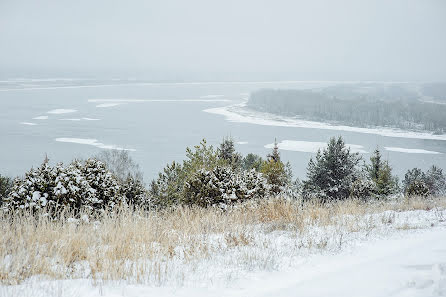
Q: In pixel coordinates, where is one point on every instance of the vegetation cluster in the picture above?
(213, 177)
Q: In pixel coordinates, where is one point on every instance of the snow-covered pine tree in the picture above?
(104, 184)
(35, 189)
(331, 174)
(71, 187)
(436, 181)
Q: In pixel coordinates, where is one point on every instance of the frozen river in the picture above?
(77, 118)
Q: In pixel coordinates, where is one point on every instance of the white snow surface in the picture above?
(310, 147)
(406, 258)
(410, 151)
(61, 111)
(240, 114)
(28, 123)
(93, 142)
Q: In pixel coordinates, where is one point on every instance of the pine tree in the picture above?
(332, 173)
(275, 154)
(380, 173)
(226, 152)
(6, 184)
(276, 173)
(435, 181)
(252, 161)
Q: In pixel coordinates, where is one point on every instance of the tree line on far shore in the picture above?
(362, 111)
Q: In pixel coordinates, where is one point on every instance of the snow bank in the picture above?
(240, 114)
(93, 142)
(410, 151)
(310, 147)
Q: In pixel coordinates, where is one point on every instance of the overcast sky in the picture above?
(228, 40)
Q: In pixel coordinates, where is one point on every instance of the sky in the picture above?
(397, 40)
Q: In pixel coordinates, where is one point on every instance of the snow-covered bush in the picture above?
(416, 180)
(222, 186)
(80, 184)
(363, 188)
(71, 188)
(35, 189)
(104, 184)
(418, 188)
(134, 192)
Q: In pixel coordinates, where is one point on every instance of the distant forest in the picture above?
(362, 106)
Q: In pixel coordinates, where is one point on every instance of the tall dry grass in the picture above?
(148, 247)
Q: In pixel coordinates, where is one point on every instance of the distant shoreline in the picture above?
(241, 114)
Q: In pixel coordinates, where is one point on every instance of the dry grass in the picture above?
(148, 247)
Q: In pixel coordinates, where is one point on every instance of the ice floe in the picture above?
(41, 118)
(61, 111)
(310, 147)
(211, 96)
(79, 119)
(122, 101)
(93, 142)
(410, 151)
(104, 105)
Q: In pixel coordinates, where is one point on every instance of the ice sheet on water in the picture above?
(93, 142)
(310, 147)
(61, 111)
(410, 151)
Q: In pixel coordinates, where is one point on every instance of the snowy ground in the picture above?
(403, 254)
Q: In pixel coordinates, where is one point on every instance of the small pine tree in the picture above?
(331, 174)
(6, 184)
(167, 189)
(412, 176)
(277, 174)
(275, 154)
(435, 181)
(226, 152)
(252, 161)
(380, 173)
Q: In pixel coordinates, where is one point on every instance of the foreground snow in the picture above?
(401, 254)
